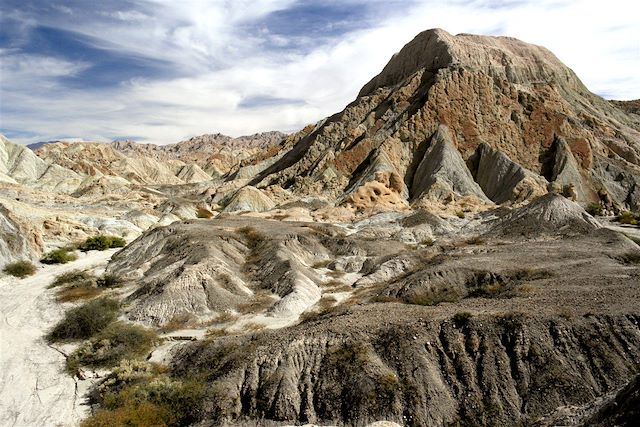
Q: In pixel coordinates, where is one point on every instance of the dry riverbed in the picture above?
(34, 389)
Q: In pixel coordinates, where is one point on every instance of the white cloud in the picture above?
(224, 64)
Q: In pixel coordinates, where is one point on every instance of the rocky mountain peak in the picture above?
(504, 58)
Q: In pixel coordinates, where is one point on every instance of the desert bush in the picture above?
(179, 321)
(72, 277)
(132, 415)
(58, 256)
(627, 218)
(76, 285)
(494, 289)
(594, 209)
(20, 269)
(85, 321)
(460, 214)
(361, 382)
(462, 318)
(116, 342)
(159, 402)
(102, 242)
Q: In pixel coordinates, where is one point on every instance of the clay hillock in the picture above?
(549, 214)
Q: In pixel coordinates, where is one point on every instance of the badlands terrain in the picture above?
(457, 247)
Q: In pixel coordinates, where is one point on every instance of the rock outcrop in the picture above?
(503, 180)
(517, 99)
(18, 241)
(249, 199)
(442, 173)
(551, 213)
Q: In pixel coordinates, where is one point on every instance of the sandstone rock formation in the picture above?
(515, 98)
(442, 173)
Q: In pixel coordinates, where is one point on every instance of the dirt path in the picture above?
(33, 389)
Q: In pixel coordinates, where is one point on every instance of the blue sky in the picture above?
(162, 71)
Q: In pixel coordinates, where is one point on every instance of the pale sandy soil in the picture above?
(34, 390)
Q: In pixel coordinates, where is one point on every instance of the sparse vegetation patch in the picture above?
(462, 319)
(628, 218)
(85, 321)
(58, 256)
(20, 269)
(118, 341)
(252, 236)
(102, 242)
(72, 277)
(594, 209)
(142, 394)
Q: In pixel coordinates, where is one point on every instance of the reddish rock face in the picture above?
(516, 97)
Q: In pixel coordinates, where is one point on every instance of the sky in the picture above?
(161, 71)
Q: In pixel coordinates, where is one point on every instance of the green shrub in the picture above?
(58, 256)
(20, 269)
(594, 209)
(627, 218)
(134, 414)
(102, 242)
(160, 401)
(460, 214)
(85, 321)
(73, 277)
(117, 342)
